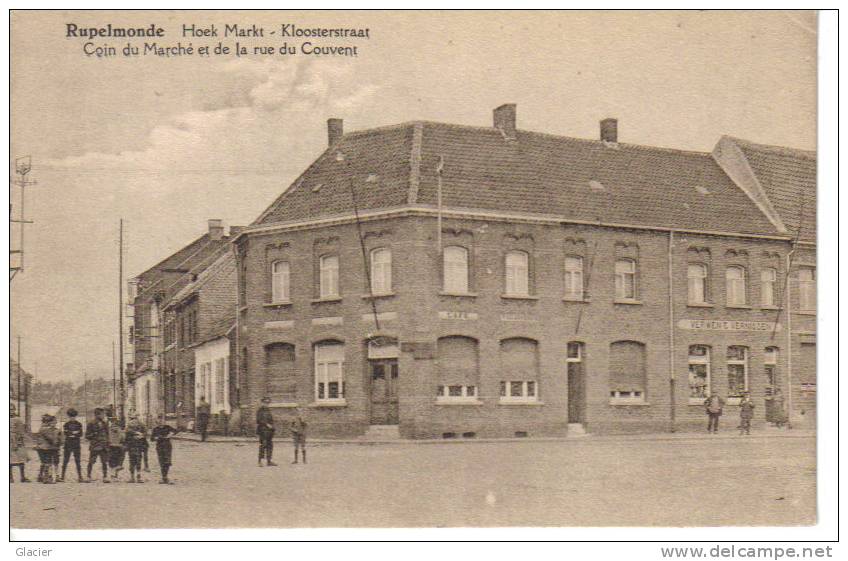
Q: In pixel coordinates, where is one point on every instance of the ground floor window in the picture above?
(458, 364)
(699, 373)
(519, 359)
(329, 372)
(627, 373)
(456, 391)
(518, 390)
(770, 370)
(737, 371)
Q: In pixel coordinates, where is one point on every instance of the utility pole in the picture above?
(20, 369)
(121, 316)
(114, 381)
(85, 394)
(22, 167)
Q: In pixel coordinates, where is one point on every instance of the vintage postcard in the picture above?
(426, 269)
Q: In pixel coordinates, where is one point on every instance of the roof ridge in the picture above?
(775, 148)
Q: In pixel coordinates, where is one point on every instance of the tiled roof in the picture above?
(788, 176)
(575, 179)
(224, 263)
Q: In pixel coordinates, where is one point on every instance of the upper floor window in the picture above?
(625, 279)
(280, 272)
(329, 280)
(736, 290)
(574, 278)
(768, 282)
(517, 273)
(697, 277)
(455, 269)
(807, 288)
(381, 271)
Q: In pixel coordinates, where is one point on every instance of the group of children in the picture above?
(109, 442)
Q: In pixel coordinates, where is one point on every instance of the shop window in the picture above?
(573, 278)
(807, 289)
(736, 286)
(697, 278)
(770, 370)
(627, 372)
(625, 279)
(699, 374)
(280, 282)
(381, 271)
(768, 284)
(517, 273)
(455, 270)
(737, 372)
(329, 372)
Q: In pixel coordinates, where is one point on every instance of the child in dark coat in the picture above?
(48, 443)
(161, 435)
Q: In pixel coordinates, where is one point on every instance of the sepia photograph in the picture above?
(378, 269)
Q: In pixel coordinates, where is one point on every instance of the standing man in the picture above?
(97, 434)
(73, 435)
(135, 438)
(746, 413)
(203, 412)
(18, 455)
(161, 435)
(265, 430)
(49, 441)
(298, 430)
(713, 404)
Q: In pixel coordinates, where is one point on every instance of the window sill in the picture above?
(519, 297)
(697, 401)
(771, 308)
(326, 299)
(733, 401)
(458, 401)
(283, 405)
(700, 304)
(577, 300)
(805, 312)
(458, 294)
(329, 403)
(277, 304)
(520, 402)
(629, 402)
(628, 302)
(379, 295)
(739, 306)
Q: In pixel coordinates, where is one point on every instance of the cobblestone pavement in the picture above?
(583, 482)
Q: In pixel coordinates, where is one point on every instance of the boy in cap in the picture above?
(265, 430)
(746, 413)
(135, 438)
(18, 455)
(72, 432)
(97, 434)
(298, 430)
(48, 442)
(161, 435)
(116, 447)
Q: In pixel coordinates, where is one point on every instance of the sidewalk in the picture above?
(767, 433)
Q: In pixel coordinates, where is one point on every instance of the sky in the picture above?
(167, 143)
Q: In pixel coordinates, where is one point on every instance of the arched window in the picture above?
(807, 289)
(699, 374)
(737, 371)
(458, 363)
(329, 371)
(768, 282)
(573, 278)
(627, 373)
(455, 269)
(736, 286)
(280, 373)
(381, 271)
(329, 280)
(625, 279)
(280, 271)
(517, 273)
(519, 370)
(697, 276)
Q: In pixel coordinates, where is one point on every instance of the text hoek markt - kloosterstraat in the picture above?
(285, 30)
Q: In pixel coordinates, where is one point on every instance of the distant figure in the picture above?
(135, 438)
(779, 413)
(116, 447)
(72, 432)
(48, 443)
(298, 430)
(713, 404)
(97, 434)
(265, 430)
(203, 412)
(18, 455)
(161, 435)
(746, 413)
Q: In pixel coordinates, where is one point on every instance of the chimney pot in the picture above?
(609, 130)
(335, 130)
(504, 119)
(216, 228)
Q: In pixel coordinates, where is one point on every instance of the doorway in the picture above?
(576, 383)
(384, 391)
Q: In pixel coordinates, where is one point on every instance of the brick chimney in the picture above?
(609, 130)
(335, 130)
(216, 228)
(504, 119)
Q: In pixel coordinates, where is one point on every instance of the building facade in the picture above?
(461, 282)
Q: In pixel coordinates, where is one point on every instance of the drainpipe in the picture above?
(671, 375)
(789, 337)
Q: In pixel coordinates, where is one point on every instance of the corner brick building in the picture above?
(455, 281)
